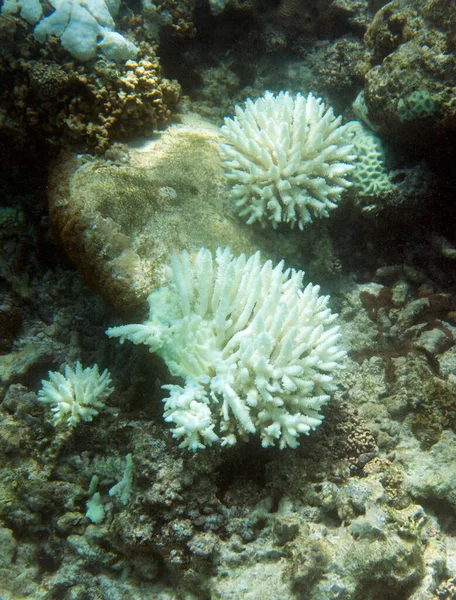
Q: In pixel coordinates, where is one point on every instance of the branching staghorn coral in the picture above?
(256, 351)
(78, 395)
(286, 159)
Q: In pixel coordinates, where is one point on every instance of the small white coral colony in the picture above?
(78, 395)
(287, 159)
(256, 351)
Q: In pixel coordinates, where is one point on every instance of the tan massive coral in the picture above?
(121, 216)
(90, 104)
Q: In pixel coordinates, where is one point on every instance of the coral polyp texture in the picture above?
(370, 177)
(78, 395)
(287, 159)
(256, 351)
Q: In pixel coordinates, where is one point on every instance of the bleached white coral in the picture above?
(78, 395)
(287, 159)
(256, 351)
(361, 111)
(83, 26)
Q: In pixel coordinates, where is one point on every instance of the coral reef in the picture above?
(90, 105)
(365, 507)
(178, 15)
(83, 27)
(120, 217)
(355, 501)
(297, 23)
(256, 351)
(78, 395)
(410, 88)
(369, 177)
(338, 67)
(286, 159)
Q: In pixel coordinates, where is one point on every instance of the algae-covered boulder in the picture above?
(121, 216)
(410, 88)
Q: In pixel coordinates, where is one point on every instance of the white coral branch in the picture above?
(256, 351)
